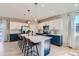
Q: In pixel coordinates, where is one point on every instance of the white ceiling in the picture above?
(17, 10)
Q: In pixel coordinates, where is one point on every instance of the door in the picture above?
(76, 31)
(3, 30)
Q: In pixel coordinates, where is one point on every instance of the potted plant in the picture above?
(28, 32)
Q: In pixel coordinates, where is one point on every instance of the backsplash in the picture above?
(15, 31)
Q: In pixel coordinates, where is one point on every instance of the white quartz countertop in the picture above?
(37, 38)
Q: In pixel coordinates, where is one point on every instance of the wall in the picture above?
(16, 26)
(61, 24)
(34, 26)
(57, 24)
(66, 30)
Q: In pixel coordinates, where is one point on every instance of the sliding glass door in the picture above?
(73, 30)
(3, 30)
(76, 31)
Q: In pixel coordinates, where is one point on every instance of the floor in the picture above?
(12, 49)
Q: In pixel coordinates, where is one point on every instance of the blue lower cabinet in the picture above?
(46, 47)
(13, 37)
(57, 40)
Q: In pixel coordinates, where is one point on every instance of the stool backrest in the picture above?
(24, 39)
(20, 37)
(29, 42)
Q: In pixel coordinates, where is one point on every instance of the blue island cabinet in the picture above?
(47, 47)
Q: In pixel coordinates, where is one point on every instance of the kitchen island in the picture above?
(56, 39)
(44, 43)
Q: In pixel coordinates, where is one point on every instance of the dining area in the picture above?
(35, 45)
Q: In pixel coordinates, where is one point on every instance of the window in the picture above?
(76, 23)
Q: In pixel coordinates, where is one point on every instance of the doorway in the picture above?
(76, 31)
(3, 28)
(1, 31)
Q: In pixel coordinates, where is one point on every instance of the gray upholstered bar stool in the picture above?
(30, 49)
(20, 41)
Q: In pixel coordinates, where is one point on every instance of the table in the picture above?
(44, 43)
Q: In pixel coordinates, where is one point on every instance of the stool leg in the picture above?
(22, 47)
(37, 50)
(31, 51)
(25, 51)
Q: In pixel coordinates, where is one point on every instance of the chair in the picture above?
(31, 49)
(25, 46)
(20, 41)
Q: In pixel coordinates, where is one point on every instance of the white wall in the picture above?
(57, 24)
(16, 26)
(65, 30)
(61, 24)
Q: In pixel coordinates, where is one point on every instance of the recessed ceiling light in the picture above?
(29, 22)
(35, 3)
(28, 10)
(76, 5)
(42, 5)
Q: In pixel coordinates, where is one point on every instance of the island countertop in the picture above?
(36, 38)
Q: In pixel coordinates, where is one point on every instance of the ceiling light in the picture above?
(35, 19)
(24, 14)
(76, 5)
(29, 22)
(35, 3)
(28, 10)
(42, 5)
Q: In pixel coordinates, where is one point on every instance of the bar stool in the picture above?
(24, 43)
(31, 49)
(25, 46)
(20, 41)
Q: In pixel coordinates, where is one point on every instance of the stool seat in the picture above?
(34, 43)
(32, 48)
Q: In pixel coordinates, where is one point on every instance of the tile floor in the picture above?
(12, 49)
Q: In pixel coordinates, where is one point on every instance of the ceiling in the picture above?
(38, 11)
